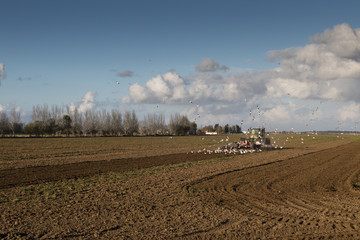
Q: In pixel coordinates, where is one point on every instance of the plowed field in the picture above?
(39, 174)
(309, 196)
(309, 191)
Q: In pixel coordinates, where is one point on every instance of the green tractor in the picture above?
(255, 139)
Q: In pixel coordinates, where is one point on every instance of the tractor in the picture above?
(255, 139)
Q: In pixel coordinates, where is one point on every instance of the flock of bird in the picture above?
(197, 110)
(278, 142)
(226, 151)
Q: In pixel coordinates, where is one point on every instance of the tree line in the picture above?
(57, 121)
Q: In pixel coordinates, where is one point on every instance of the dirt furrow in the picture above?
(37, 174)
(312, 192)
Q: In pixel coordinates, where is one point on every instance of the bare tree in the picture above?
(148, 126)
(14, 123)
(104, 122)
(127, 123)
(42, 118)
(35, 113)
(116, 122)
(4, 123)
(56, 114)
(160, 124)
(131, 124)
(142, 128)
(77, 121)
(154, 124)
(90, 125)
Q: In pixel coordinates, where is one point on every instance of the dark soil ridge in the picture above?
(37, 174)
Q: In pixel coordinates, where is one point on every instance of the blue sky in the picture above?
(225, 57)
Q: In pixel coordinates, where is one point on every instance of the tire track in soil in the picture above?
(37, 174)
(308, 196)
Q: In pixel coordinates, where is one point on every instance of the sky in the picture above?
(284, 65)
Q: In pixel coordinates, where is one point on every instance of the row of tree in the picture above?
(56, 121)
(222, 129)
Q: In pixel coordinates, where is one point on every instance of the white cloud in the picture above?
(137, 93)
(292, 116)
(342, 41)
(126, 99)
(158, 86)
(169, 88)
(2, 107)
(280, 113)
(280, 87)
(349, 112)
(87, 103)
(202, 88)
(328, 68)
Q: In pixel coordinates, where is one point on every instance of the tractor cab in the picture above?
(255, 138)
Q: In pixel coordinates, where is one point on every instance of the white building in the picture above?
(211, 133)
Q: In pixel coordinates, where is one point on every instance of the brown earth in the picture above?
(39, 174)
(303, 193)
(30, 152)
(311, 196)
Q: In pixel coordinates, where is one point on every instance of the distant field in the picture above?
(22, 152)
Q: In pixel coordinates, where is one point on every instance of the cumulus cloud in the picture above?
(342, 41)
(87, 103)
(202, 88)
(349, 112)
(292, 116)
(209, 88)
(280, 113)
(209, 65)
(169, 88)
(126, 73)
(328, 68)
(280, 87)
(137, 92)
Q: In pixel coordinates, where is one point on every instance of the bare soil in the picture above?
(299, 193)
(38, 174)
(310, 196)
(26, 152)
